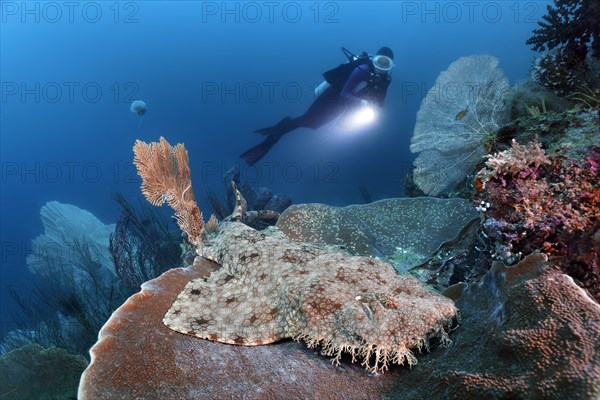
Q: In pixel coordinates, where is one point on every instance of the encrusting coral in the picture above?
(404, 231)
(269, 288)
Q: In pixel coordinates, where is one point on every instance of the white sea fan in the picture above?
(464, 107)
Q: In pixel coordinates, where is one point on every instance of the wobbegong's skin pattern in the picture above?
(269, 288)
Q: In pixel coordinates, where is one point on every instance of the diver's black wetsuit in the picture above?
(329, 105)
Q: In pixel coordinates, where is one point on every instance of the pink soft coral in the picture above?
(521, 160)
(547, 204)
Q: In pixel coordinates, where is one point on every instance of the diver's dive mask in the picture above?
(383, 64)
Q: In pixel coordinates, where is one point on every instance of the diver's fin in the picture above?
(253, 155)
(264, 131)
(276, 129)
(273, 133)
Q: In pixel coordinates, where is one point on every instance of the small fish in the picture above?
(461, 114)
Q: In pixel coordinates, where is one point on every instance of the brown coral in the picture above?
(270, 288)
(545, 338)
(166, 178)
(527, 332)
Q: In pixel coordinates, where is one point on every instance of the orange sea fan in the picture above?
(166, 178)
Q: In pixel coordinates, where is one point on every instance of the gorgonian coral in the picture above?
(459, 115)
(166, 178)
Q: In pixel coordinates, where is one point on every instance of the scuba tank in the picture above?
(321, 88)
(339, 75)
(377, 85)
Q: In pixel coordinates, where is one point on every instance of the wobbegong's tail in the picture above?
(273, 134)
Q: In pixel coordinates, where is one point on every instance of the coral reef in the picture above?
(32, 372)
(404, 231)
(457, 118)
(544, 203)
(526, 331)
(269, 289)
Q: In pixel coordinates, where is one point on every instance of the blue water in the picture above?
(206, 69)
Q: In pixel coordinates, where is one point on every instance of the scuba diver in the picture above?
(362, 81)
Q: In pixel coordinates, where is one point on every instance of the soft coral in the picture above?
(547, 204)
